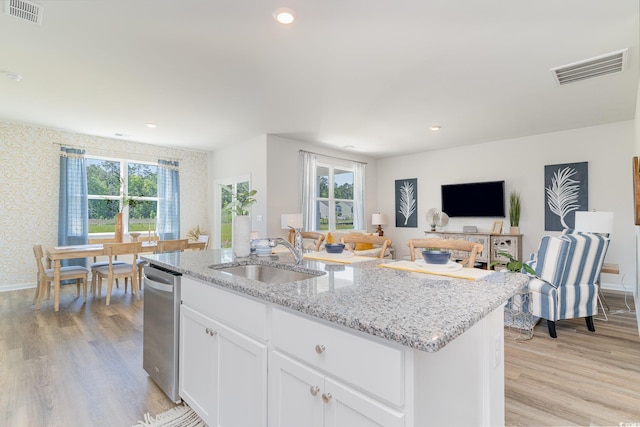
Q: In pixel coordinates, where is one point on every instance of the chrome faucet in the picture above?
(296, 252)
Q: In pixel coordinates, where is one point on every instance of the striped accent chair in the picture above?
(567, 273)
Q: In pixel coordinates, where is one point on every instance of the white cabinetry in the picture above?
(338, 379)
(223, 372)
(302, 396)
(247, 363)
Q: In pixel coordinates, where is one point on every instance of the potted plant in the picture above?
(240, 204)
(514, 265)
(514, 212)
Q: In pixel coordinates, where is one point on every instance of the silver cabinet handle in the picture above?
(320, 348)
(326, 397)
(211, 332)
(314, 389)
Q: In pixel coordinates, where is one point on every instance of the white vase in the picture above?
(241, 236)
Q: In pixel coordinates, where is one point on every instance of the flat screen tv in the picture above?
(475, 199)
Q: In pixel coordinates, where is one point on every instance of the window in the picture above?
(334, 200)
(120, 185)
(224, 224)
(332, 193)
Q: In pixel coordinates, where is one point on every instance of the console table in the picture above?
(492, 244)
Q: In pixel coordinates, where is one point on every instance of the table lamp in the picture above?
(379, 220)
(594, 222)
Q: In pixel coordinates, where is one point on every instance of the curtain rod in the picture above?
(112, 152)
(332, 157)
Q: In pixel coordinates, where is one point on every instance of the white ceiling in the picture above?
(375, 74)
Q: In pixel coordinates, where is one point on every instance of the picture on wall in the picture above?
(407, 202)
(566, 191)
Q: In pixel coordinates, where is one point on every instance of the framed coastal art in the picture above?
(566, 188)
(407, 202)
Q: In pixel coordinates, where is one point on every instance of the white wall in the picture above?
(520, 162)
(29, 179)
(239, 159)
(284, 179)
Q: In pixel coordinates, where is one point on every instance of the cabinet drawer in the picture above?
(241, 313)
(368, 365)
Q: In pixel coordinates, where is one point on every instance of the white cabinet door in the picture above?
(302, 396)
(223, 374)
(197, 366)
(242, 380)
(344, 407)
(295, 394)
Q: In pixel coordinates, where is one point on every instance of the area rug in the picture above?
(180, 416)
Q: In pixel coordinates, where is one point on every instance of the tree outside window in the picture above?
(121, 186)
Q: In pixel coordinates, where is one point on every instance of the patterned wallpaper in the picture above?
(29, 178)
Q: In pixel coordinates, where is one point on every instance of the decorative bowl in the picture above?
(334, 248)
(436, 257)
(263, 250)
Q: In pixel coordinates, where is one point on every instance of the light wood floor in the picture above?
(579, 379)
(83, 367)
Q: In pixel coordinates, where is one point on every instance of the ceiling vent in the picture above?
(23, 9)
(590, 68)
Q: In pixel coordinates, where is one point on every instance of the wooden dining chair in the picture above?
(311, 240)
(376, 245)
(472, 248)
(45, 276)
(114, 271)
(140, 262)
(178, 245)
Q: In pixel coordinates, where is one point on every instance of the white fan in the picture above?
(435, 217)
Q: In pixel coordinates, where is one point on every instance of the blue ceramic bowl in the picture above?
(436, 257)
(334, 248)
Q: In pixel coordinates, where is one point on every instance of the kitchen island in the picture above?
(356, 345)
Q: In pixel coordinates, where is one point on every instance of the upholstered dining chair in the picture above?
(462, 248)
(366, 245)
(114, 271)
(566, 282)
(97, 264)
(45, 276)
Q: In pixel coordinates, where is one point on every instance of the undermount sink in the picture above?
(266, 273)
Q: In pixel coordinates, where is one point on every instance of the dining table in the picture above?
(56, 254)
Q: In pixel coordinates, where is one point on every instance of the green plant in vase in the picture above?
(514, 212)
(514, 265)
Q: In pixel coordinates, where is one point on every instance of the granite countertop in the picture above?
(417, 310)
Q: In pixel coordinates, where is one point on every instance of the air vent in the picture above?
(24, 9)
(590, 68)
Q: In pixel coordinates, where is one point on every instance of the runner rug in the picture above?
(180, 416)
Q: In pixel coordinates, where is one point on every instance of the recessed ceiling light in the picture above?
(13, 76)
(435, 128)
(349, 147)
(284, 15)
(151, 125)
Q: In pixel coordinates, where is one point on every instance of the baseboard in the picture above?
(619, 287)
(8, 288)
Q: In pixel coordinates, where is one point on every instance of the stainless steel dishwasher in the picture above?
(161, 328)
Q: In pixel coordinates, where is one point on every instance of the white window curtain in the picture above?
(309, 186)
(358, 197)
